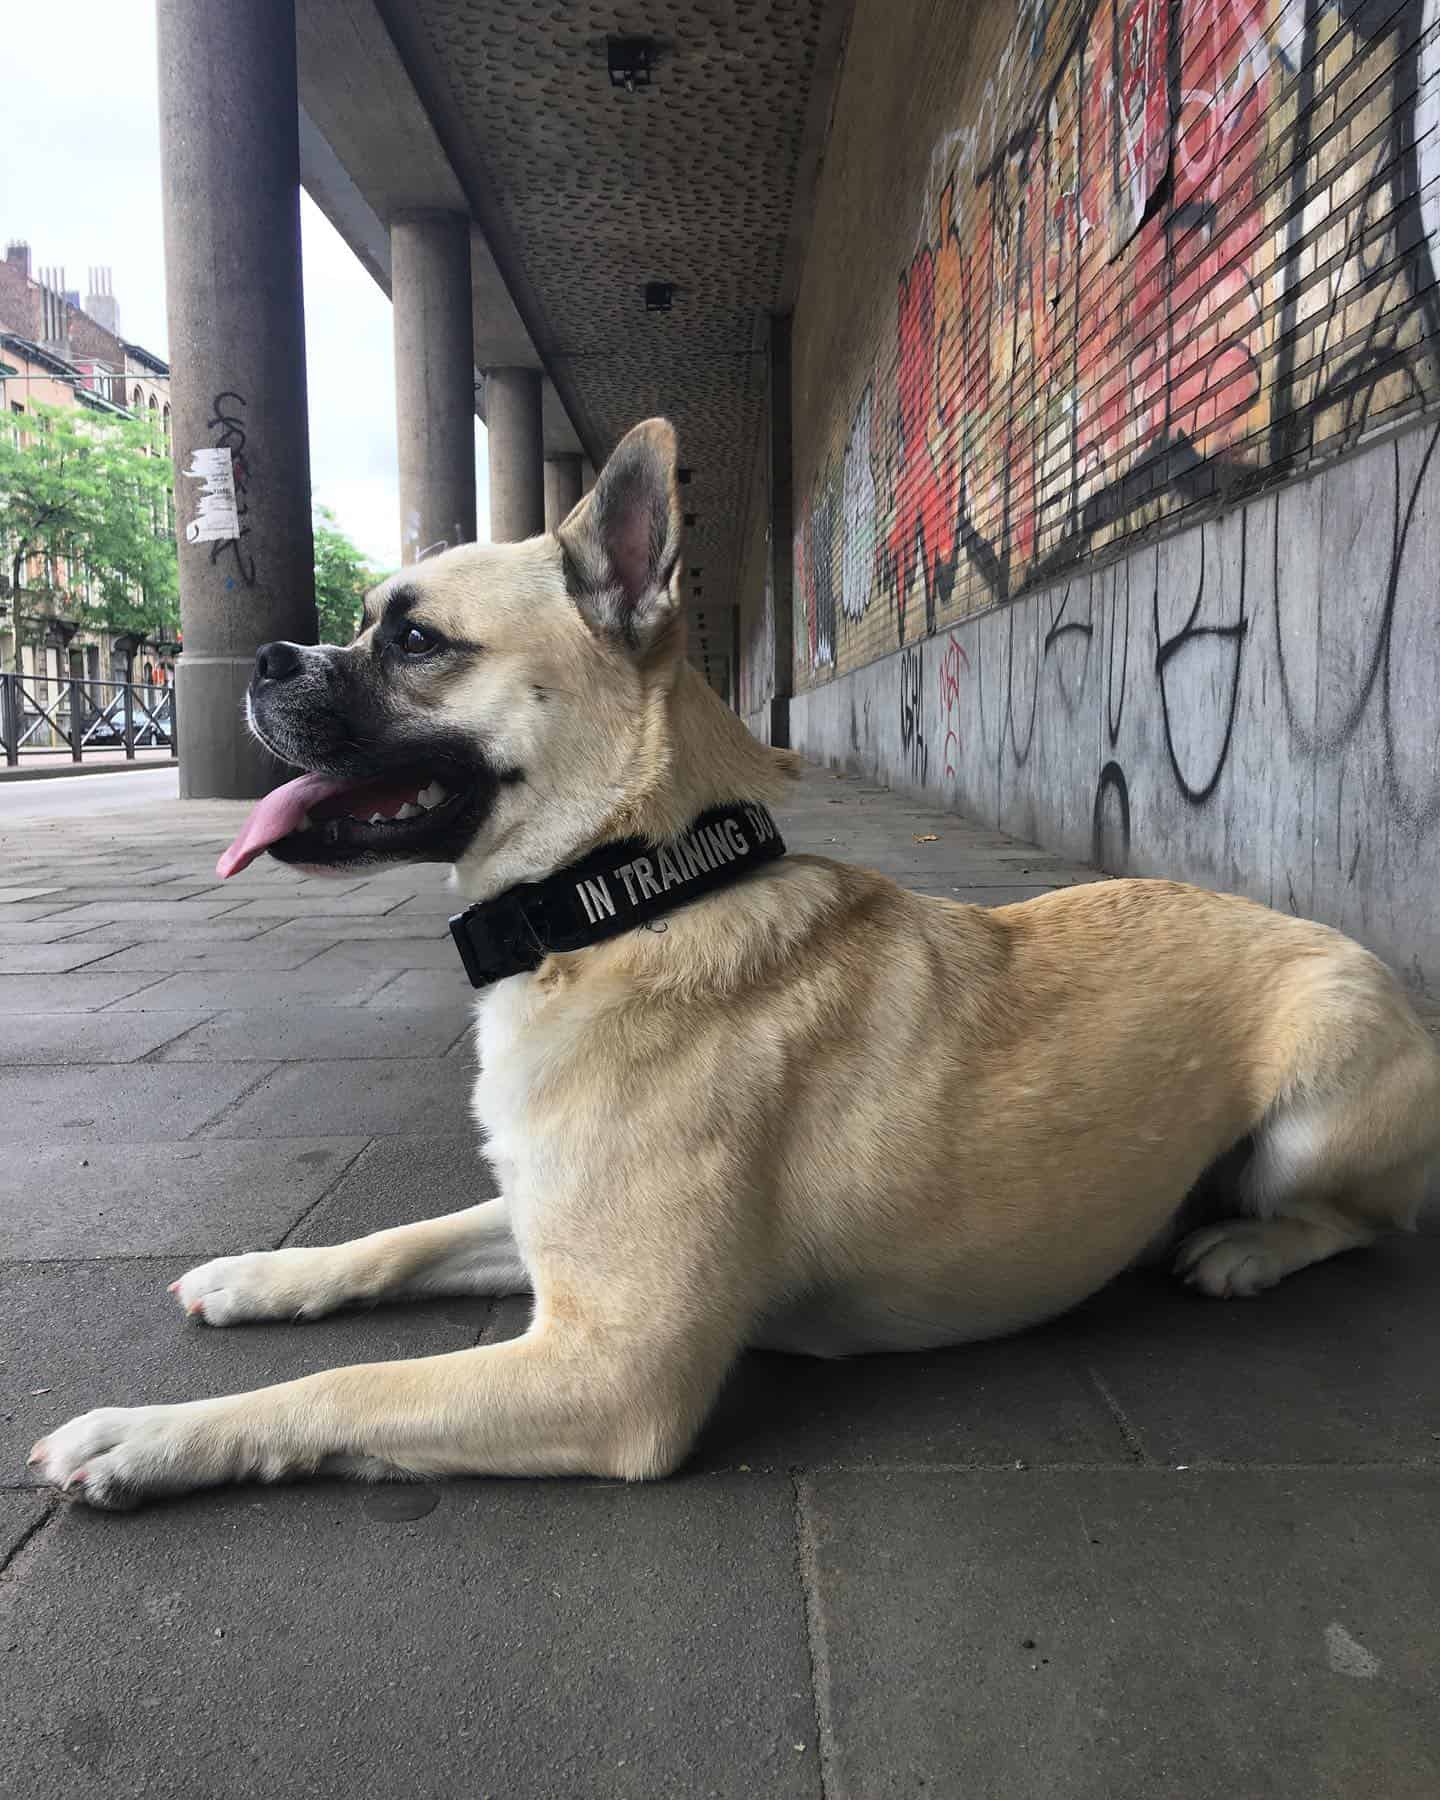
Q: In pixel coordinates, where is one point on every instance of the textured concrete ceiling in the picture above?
(586, 192)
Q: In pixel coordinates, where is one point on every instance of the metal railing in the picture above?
(40, 716)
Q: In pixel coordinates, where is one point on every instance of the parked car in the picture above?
(107, 729)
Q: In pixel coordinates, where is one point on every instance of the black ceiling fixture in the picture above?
(659, 296)
(683, 476)
(631, 61)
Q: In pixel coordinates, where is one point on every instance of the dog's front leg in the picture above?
(571, 1397)
(469, 1252)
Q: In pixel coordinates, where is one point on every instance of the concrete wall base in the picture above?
(1249, 704)
(218, 764)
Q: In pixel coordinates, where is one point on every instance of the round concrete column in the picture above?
(230, 166)
(434, 379)
(562, 488)
(517, 454)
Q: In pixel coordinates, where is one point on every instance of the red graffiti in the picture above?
(922, 534)
(952, 665)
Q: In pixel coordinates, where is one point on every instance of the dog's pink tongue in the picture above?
(275, 817)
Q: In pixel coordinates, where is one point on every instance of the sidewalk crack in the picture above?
(328, 1190)
(47, 1513)
(1130, 1435)
(817, 1650)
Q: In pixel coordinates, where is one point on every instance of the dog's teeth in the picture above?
(431, 796)
(407, 811)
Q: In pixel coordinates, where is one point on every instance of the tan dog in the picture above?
(816, 1112)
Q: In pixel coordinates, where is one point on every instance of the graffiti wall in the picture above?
(1249, 703)
(1165, 253)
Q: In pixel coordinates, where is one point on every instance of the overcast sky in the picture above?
(80, 179)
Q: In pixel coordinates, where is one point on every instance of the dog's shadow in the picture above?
(1333, 1365)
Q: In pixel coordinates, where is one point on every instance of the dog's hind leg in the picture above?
(1345, 1152)
(469, 1252)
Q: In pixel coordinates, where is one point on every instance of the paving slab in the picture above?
(349, 906)
(106, 1333)
(34, 931)
(1044, 1635)
(412, 1097)
(330, 929)
(194, 1199)
(257, 989)
(1337, 1364)
(396, 952)
(56, 958)
(98, 1037)
(151, 912)
(134, 1104)
(427, 987)
(520, 1640)
(170, 931)
(78, 893)
(979, 1405)
(247, 954)
(398, 1181)
(84, 991)
(303, 1034)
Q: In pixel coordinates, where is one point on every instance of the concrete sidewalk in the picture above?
(1165, 1547)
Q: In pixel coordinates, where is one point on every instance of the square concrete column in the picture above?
(434, 379)
(230, 167)
(562, 488)
(517, 454)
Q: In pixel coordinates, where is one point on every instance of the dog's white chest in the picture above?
(527, 1037)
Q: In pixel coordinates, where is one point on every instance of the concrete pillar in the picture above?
(562, 488)
(230, 167)
(517, 454)
(434, 379)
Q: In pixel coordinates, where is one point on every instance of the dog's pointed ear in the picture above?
(622, 542)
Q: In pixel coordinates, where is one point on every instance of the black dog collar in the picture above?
(613, 889)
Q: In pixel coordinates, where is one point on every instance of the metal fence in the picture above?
(40, 717)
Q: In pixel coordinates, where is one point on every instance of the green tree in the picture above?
(88, 494)
(342, 579)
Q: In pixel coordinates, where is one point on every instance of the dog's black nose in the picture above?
(277, 662)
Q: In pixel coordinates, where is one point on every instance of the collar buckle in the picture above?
(492, 935)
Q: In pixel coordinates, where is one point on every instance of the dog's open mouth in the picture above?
(324, 819)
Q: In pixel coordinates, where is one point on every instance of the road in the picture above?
(86, 796)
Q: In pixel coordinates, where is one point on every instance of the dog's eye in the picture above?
(415, 642)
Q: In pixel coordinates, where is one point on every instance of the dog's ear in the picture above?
(622, 542)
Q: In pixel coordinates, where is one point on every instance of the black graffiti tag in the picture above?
(912, 714)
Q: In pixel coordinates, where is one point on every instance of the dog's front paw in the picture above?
(118, 1456)
(265, 1284)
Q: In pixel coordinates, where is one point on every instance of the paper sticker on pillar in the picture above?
(217, 515)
